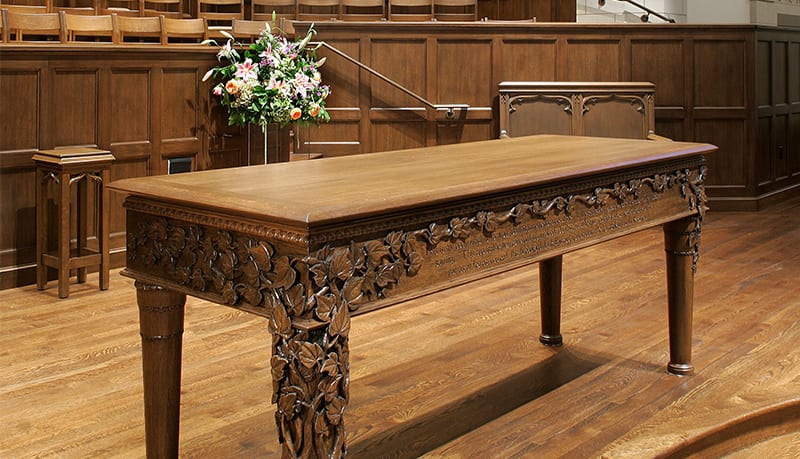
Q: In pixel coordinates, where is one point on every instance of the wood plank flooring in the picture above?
(458, 374)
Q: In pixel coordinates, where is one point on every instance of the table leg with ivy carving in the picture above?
(311, 377)
(550, 300)
(681, 242)
(161, 326)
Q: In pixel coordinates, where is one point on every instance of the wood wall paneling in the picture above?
(655, 61)
(19, 112)
(463, 75)
(725, 170)
(592, 60)
(778, 86)
(131, 107)
(20, 128)
(349, 99)
(180, 95)
(397, 119)
(720, 73)
(764, 166)
(74, 107)
(120, 99)
(527, 60)
(464, 72)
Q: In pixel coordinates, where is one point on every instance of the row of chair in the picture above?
(70, 28)
(222, 12)
(169, 8)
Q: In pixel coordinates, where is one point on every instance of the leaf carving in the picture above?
(229, 295)
(389, 274)
(278, 365)
(340, 324)
(295, 299)
(335, 410)
(251, 295)
(376, 250)
(279, 323)
(414, 264)
(394, 241)
(324, 307)
(310, 354)
(319, 273)
(351, 293)
(437, 233)
(282, 275)
(340, 264)
(262, 255)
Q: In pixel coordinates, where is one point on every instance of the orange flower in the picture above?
(295, 114)
(232, 87)
(314, 110)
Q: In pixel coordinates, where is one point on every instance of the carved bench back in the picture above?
(604, 109)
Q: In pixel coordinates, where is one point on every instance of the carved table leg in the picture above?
(550, 300)
(161, 327)
(681, 242)
(311, 378)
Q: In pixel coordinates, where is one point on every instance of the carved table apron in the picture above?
(308, 244)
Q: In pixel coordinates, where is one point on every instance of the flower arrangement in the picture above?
(274, 80)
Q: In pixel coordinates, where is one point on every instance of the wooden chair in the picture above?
(30, 9)
(137, 30)
(219, 14)
(455, 10)
(37, 27)
(183, 30)
(168, 8)
(317, 10)
(3, 26)
(363, 10)
(247, 31)
(122, 7)
(410, 10)
(85, 7)
(261, 10)
(80, 27)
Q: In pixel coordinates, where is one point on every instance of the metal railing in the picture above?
(645, 17)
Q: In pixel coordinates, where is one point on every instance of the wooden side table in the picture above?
(65, 167)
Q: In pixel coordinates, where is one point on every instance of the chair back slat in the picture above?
(78, 27)
(183, 30)
(36, 26)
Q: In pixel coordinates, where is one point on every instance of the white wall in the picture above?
(766, 12)
(763, 12)
(718, 11)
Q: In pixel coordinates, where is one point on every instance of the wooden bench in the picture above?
(309, 244)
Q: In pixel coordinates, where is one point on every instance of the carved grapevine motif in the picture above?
(308, 299)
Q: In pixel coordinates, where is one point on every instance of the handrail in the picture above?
(449, 107)
(649, 12)
(645, 18)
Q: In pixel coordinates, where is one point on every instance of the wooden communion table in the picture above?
(309, 244)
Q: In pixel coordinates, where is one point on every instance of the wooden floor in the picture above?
(458, 374)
